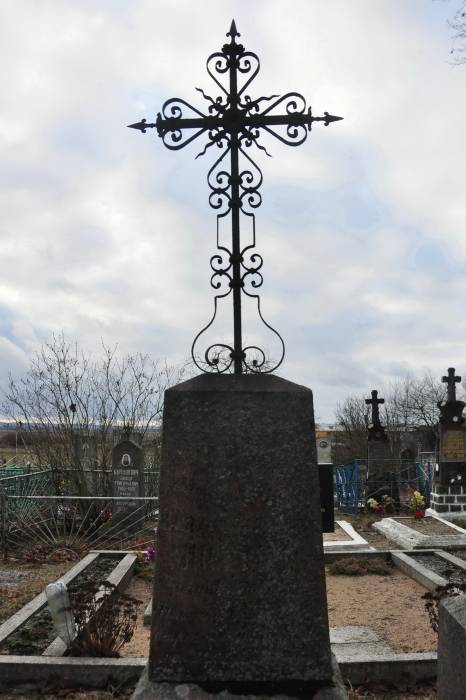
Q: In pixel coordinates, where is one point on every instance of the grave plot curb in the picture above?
(69, 672)
(410, 539)
(330, 557)
(391, 668)
(355, 544)
(420, 573)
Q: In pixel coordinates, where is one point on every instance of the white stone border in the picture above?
(355, 544)
(409, 538)
(444, 518)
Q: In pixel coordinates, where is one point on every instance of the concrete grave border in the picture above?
(96, 673)
(120, 577)
(408, 538)
(406, 561)
(355, 544)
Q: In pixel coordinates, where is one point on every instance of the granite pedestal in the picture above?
(239, 592)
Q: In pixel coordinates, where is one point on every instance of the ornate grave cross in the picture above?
(374, 402)
(451, 381)
(234, 123)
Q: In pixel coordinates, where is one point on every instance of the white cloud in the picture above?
(105, 233)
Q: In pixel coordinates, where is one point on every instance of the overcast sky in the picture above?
(106, 234)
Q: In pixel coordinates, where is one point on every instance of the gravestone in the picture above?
(448, 497)
(326, 483)
(381, 470)
(239, 590)
(86, 459)
(127, 482)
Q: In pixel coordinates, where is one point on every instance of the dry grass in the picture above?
(360, 567)
(17, 594)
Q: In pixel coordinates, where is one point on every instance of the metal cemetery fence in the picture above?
(36, 525)
(348, 486)
(43, 510)
(350, 483)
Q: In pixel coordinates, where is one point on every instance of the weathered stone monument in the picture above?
(239, 601)
(127, 477)
(239, 589)
(448, 497)
(381, 469)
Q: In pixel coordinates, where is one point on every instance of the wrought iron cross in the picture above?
(451, 381)
(374, 402)
(234, 123)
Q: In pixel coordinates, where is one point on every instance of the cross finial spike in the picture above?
(233, 31)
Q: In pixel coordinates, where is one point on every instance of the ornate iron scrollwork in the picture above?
(235, 122)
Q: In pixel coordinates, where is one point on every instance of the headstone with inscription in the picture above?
(127, 481)
(448, 497)
(381, 467)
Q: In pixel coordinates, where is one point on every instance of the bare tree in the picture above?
(67, 393)
(458, 24)
(410, 404)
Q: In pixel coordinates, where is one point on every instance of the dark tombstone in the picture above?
(128, 483)
(448, 497)
(327, 497)
(326, 483)
(381, 476)
(239, 590)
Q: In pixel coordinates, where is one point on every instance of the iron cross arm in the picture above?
(232, 121)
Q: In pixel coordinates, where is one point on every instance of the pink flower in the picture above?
(149, 555)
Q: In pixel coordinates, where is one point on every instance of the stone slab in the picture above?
(351, 634)
(388, 668)
(152, 690)
(239, 574)
(66, 672)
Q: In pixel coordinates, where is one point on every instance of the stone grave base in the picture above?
(408, 538)
(154, 690)
(448, 502)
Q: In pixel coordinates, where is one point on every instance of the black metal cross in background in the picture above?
(451, 381)
(235, 122)
(374, 402)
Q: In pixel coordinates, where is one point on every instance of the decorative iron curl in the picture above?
(219, 357)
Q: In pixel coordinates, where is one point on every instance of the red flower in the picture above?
(418, 514)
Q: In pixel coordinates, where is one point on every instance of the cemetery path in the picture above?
(391, 605)
(139, 645)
